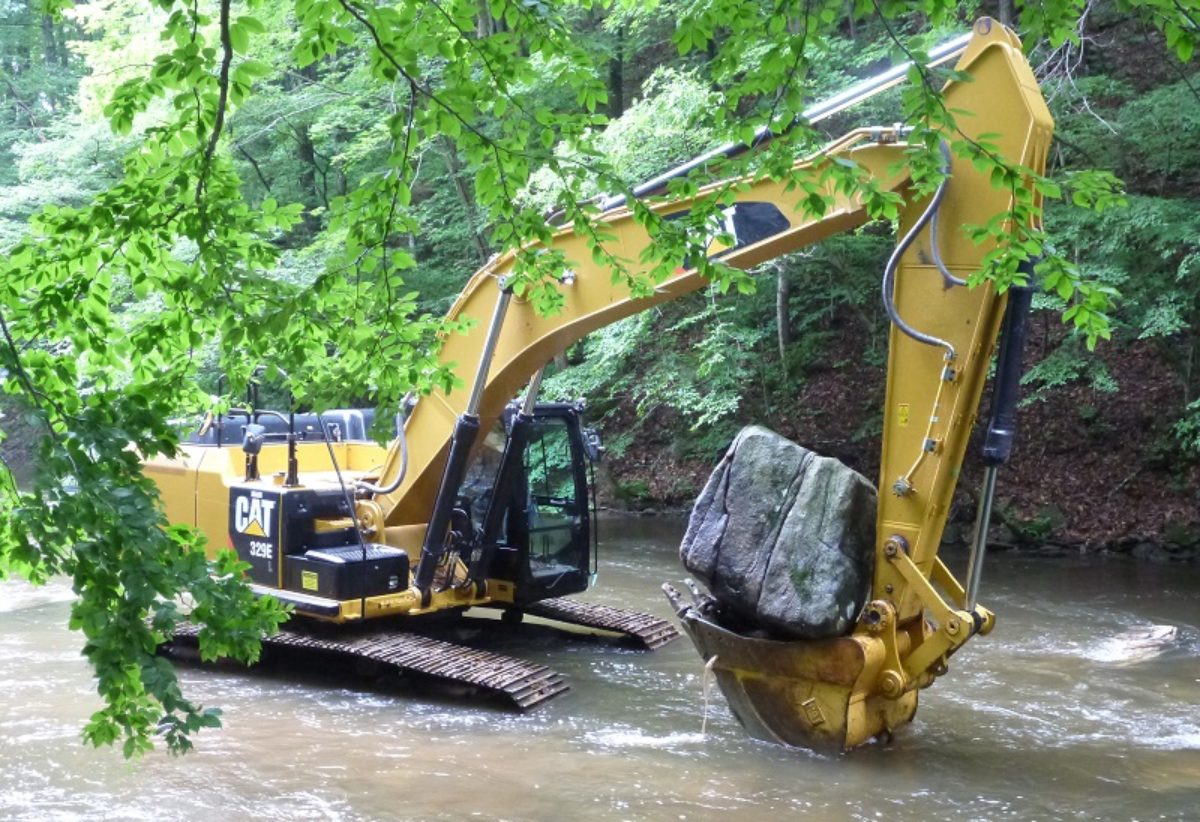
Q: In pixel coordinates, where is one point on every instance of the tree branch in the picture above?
(222, 99)
(21, 104)
(27, 381)
(254, 164)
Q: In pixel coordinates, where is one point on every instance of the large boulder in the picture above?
(783, 538)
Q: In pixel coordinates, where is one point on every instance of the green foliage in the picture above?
(1187, 430)
(837, 282)
(1066, 365)
(1150, 251)
(173, 227)
(662, 129)
(634, 492)
(692, 359)
(1176, 20)
(1036, 530)
(703, 382)
(38, 76)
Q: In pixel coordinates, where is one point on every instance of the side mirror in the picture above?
(253, 437)
(592, 445)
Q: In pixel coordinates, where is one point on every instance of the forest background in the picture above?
(1109, 456)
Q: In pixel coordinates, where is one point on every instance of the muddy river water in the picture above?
(1065, 712)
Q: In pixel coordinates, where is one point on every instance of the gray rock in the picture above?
(783, 538)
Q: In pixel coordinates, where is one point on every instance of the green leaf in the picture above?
(239, 38)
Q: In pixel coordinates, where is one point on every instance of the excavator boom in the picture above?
(528, 339)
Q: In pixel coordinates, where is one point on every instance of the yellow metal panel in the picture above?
(176, 480)
(1005, 105)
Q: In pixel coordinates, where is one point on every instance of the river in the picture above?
(1055, 715)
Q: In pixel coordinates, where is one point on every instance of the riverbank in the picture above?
(1001, 538)
(1096, 470)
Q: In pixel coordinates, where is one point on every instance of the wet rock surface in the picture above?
(783, 538)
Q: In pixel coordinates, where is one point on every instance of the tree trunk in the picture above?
(1005, 12)
(483, 20)
(308, 159)
(64, 54)
(485, 24)
(307, 155)
(468, 201)
(49, 43)
(616, 76)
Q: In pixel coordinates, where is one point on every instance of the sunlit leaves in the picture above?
(1095, 190)
(1178, 20)
(1187, 429)
(172, 231)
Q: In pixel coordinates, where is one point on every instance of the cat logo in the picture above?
(252, 515)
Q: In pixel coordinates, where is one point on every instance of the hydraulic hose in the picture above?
(362, 545)
(935, 248)
(904, 485)
(363, 485)
(889, 272)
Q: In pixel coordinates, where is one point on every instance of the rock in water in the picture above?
(783, 538)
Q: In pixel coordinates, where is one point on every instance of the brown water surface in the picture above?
(1060, 714)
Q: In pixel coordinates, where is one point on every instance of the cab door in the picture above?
(556, 515)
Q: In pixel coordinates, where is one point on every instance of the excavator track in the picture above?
(643, 629)
(524, 684)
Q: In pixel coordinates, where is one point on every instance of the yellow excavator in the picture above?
(482, 501)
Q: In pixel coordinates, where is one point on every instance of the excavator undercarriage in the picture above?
(399, 649)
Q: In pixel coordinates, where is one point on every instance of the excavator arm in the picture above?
(841, 691)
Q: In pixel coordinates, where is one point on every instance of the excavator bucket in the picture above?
(817, 694)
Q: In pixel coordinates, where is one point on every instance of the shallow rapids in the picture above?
(1084, 703)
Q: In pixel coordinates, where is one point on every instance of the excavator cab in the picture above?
(532, 500)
